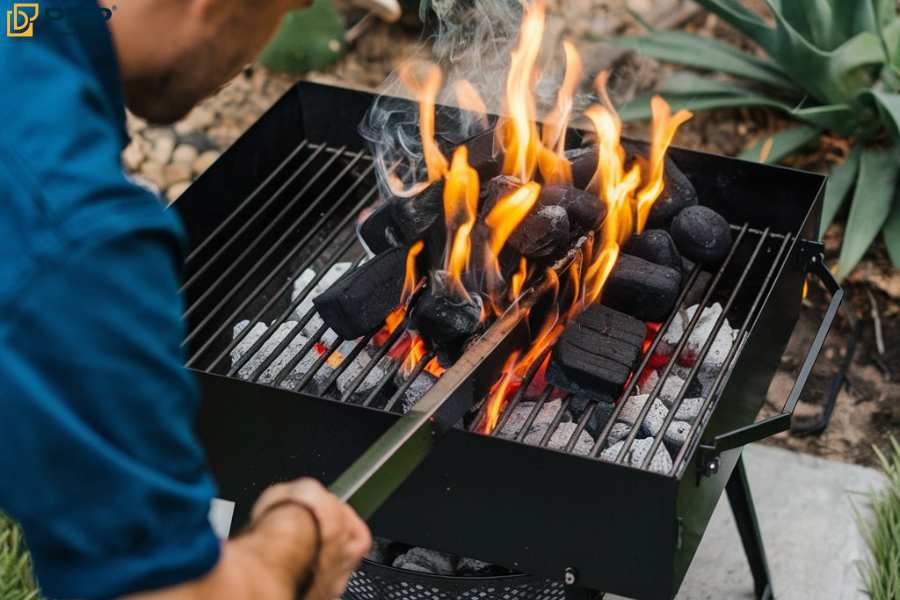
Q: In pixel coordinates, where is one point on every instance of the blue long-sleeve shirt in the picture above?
(98, 461)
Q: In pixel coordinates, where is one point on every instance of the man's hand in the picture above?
(273, 558)
(344, 536)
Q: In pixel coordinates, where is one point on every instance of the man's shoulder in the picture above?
(61, 179)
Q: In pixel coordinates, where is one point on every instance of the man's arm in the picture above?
(105, 474)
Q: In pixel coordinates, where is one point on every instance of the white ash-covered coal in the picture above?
(364, 368)
(424, 560)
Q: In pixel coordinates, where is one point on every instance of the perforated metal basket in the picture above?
(373, 581)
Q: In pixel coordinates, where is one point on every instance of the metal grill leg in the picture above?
(748, 526)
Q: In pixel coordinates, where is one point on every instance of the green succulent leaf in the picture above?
(742, 19)
(777, 147)
(892, 232)
(697, 93)
(889, 107)
(872, 200)
(708, 54)
(308, 39)
(840, 182)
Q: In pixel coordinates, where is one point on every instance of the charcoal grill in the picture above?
(287, 195)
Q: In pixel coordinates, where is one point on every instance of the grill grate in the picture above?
(310, 206)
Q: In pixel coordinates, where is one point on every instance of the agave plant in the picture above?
(831, 65)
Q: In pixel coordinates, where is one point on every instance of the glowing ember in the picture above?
(417, 352)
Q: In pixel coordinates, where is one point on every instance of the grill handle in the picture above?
(782, 422)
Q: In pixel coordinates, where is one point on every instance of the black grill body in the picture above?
(613, 527)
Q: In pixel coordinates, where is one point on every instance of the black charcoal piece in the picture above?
(702, 235)
(416, 217)
(642, 289)
(577, 404)
(543, 234)
(472, 567)
(378, 231)
(597, 352)
(655, 245)
(358, 302)
(494, 189)
(600, 417)
(678, 193)
(697, 291)
(586, 211)
(484, 155)
(443, 319)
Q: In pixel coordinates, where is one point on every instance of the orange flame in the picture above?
(552, 161)
(498, 394)
(664, 128)
(469, 99)
(410, 282)
(460, 208)
(509, 211)
(518, 280)
(426, 84)
(518, 130)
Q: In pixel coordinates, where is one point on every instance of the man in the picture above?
(97, 457)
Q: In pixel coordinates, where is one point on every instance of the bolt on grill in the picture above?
(287, 198)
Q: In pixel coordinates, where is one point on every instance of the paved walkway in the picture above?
(805, 508)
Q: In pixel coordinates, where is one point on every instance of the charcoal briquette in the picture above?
(656, 246)
(444, 320)
(585, 210)
(420, 216)
(600, 417)
(358, 302)
(424, 560)
(543, 234)
(597, 352)
(642, 289)
(702, 235)
(678, 193)
(472, 567)
(378, 231)
(689, 409)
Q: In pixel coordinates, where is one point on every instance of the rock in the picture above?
(200, 118)
(176, 190)
(162, 148)
(205, 161)
(152, 172)
(702, 235)
(564, 433)
(185, 154)
(426, 561)
(176, 173)
(133, 155)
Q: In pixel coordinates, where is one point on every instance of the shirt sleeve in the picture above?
(98, 457)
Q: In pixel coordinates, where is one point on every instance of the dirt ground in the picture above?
(868, 407)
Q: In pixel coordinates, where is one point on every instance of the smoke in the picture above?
(471, 40)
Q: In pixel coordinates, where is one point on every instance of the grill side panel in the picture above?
(526, 508)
